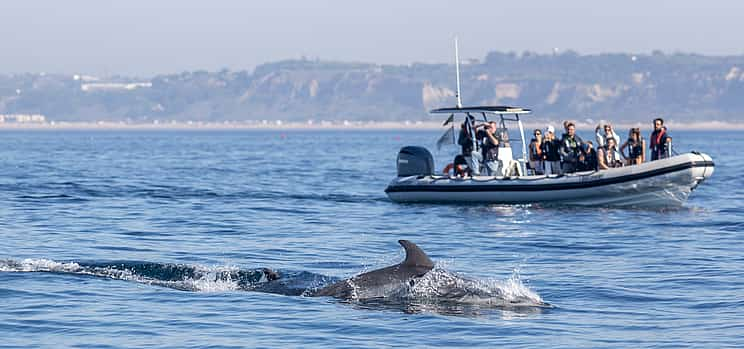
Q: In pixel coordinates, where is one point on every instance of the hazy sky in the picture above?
(146, 36)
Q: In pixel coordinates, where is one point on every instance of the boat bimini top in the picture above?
(490, 113)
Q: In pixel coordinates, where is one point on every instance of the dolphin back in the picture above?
(373, 284)
(415, 257)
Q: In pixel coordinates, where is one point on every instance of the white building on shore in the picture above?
(113, 86)
(22, 118)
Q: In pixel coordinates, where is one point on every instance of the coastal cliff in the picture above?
(680, 87)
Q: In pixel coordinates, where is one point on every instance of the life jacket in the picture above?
(536, 152)
(635, 150)
(657, 137)
(572, 147)
(659, 144)
(612, 158)
(571, 143)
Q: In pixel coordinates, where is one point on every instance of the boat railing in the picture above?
(670, 150)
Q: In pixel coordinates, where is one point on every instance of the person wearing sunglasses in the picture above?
(536, 153)
(602, 132)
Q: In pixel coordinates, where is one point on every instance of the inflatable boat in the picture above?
(662, 183)
(665, 182)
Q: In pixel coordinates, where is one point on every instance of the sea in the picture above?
(159, 239)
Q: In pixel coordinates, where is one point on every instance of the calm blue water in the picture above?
(312, 203)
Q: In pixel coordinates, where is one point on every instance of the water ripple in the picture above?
(313, 202)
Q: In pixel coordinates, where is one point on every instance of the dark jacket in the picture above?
(570, 148)
(490, 150)
(551, 150)
(589, 162)
(465, 142)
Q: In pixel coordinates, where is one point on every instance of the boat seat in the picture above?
(508, 166)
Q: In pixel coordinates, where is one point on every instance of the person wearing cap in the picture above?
(551, 152)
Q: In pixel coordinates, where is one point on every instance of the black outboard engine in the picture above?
(415, 161)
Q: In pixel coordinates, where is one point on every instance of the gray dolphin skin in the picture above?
(379, 283)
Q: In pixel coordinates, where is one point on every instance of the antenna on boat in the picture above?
(457, 72)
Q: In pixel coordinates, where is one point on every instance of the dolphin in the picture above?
(379, 283)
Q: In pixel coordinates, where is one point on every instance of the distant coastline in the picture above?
(357, 125)
(629, 87)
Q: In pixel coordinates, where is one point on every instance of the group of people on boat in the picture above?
(480, 148)
(550, 155)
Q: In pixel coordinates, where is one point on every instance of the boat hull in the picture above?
(666, 182)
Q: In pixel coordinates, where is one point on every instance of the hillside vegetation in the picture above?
(681, 87)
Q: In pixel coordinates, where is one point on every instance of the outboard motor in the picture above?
(415, 161)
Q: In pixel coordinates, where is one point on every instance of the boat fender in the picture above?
(448, 168)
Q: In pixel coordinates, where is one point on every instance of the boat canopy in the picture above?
(491, 109)
(503, 113)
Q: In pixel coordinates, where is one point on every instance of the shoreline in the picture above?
(327, 126)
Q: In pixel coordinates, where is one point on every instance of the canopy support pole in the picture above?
(524, 144)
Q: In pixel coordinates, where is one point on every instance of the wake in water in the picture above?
(175, 276)
(444, 292)
(438, 290)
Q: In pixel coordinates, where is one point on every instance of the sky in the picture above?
(146, 37)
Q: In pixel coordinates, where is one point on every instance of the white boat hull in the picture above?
(666, 182)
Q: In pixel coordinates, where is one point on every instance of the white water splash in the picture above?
(437, 286)
(38, 265)
(442, 285)
(208, 279)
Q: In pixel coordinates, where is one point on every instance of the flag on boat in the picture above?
(448, 136)
(450, 119)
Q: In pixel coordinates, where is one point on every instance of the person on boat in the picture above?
(490, 150)
(608, 132)
(536, 153)
(570, 148)
(459, 167)
(502, 134)
(588, 157)
(661, 142)
(551, 153)
(598, 135)
(609, 156)
(565, 127)
(469, 152)
(636, 146)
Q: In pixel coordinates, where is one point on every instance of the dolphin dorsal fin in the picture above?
(415, 256)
